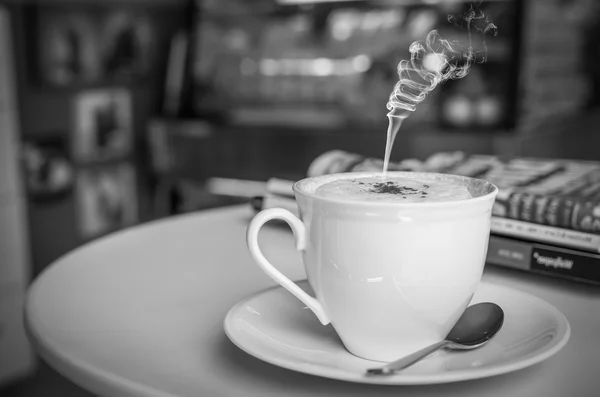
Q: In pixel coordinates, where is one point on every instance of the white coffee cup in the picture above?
(391, 277)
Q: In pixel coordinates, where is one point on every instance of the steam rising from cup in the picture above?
(435, 62)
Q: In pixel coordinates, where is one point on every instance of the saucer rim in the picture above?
(562, 337)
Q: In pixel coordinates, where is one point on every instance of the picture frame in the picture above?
(47, 168)
(106, 199)
(92, 44)
(126, 45)
(102, 125)
(66, 46)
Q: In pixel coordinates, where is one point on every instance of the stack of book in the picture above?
(546, 218)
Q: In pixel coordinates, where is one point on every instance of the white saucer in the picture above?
(274, 326)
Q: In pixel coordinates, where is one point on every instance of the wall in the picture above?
(16, 358)
(46, 112)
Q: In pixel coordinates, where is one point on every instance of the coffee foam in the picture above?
(396, 189)
(475, 187)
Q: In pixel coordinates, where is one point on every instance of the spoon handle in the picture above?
(407, 361)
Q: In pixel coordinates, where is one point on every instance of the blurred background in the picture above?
(116, 113)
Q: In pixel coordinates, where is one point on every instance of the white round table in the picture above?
(140, 313)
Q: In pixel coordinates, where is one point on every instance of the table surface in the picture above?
(140, 313)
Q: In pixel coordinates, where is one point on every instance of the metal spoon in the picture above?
(477, 325)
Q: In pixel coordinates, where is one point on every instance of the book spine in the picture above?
(544, 259)
(546, 234)
(556, 211)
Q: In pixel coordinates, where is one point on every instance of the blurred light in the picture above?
(489, 110)
(269, 67)
(341, 30)
(434, 62)
(344, 67)
(371, 20)
(392, 18)
(248, 67)
(322, 67)
(361, 63)
(458, 110)
(422, 22)
(288, 66)
(307, 67)
(304, 67)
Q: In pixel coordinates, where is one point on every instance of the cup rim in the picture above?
(387, 204)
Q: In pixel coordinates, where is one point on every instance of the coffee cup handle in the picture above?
(300, 234)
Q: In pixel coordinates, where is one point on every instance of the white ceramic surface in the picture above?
(392, 277)
(274, 326)
(140, 313)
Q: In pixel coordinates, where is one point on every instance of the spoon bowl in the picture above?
(477, 325)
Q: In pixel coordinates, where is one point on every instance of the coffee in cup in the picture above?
(393, 261)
